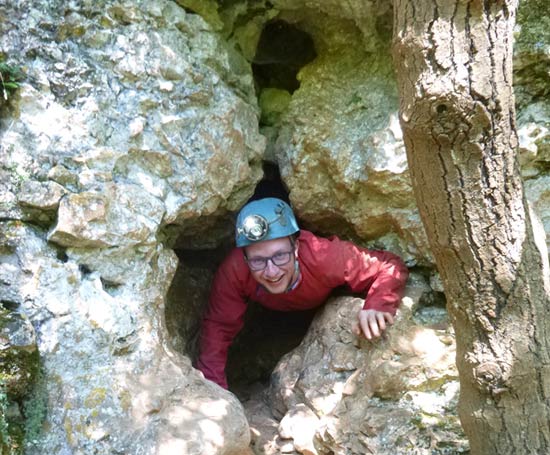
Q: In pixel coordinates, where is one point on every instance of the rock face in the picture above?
(111, 383)
(139, 129)
(340, 147)
(338, 394)
(135, 125)
(139, 102)
(337, 138)
(531, 56)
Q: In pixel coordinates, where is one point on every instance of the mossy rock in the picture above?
(19, 368)
(273, 103)
(19, 357)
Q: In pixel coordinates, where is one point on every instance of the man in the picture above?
(283, 268)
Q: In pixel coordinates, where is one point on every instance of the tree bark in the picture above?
(454, 69)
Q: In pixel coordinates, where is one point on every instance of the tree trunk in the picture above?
(454, 70)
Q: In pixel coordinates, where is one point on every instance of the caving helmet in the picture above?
(264, 219)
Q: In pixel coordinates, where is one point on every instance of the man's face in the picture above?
(275, 278)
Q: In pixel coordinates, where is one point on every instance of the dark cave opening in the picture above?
(267, 335)
(281, 51)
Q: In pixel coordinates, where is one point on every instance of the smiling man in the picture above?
(284, 268)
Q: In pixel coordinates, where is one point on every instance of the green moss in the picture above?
(433, 385)
(534, 21)
(22, 391)
(532, 53)
(19, 363)
(11, 434)
(207, 9)
(34, 410)
(18, 431)
(5, 437)
(418, 422)
(10, 76)
(273, 103)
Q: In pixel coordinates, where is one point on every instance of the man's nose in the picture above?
(270, 267)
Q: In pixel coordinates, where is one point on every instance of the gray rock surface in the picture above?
(337, 139)
(135, 93)
(112, 382)
(340, 147)
(338, 394)
(133, 125)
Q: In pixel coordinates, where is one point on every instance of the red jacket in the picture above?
(325, 264)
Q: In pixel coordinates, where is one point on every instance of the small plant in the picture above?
(9, 78)
(35, 410)
(5, 437)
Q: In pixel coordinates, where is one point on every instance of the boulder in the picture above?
(336, 393)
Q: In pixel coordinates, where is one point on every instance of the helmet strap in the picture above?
(298, 275)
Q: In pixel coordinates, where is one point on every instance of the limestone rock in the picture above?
(133, 117)
(538, 194)
(531, 53)
(371, 16)
(265, 439)
(534, 138)
(367, 397)
(120, 215)
(338, 140)
(299, 424)
(111, 382)
(134, 130)
(340, 147)
(40, 200)
(141, 94)
(18, 353)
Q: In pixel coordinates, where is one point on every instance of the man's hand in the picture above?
(371, 323)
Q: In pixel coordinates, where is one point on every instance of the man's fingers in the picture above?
(365, 328)
(371, 324)
(381, 321)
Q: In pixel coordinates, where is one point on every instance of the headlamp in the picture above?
(254, 227)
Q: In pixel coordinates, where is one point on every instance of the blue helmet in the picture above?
(264, 219)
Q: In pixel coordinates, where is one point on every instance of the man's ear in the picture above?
(296, 245)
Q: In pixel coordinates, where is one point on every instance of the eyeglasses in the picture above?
(259, 263)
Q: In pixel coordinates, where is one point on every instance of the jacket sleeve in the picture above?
(221, 323)
(379, 274)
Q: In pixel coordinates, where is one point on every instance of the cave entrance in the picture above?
(267, 335)
(281, 51)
